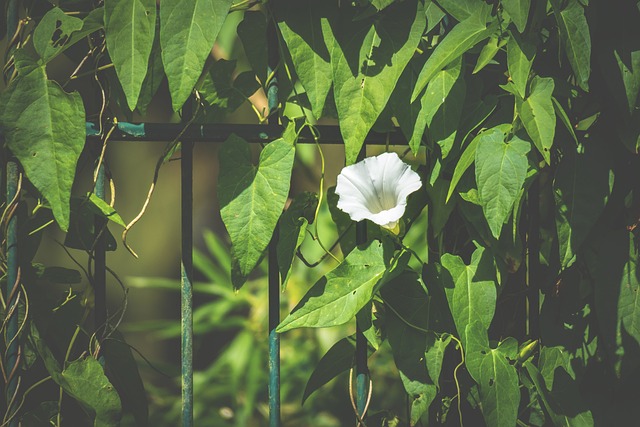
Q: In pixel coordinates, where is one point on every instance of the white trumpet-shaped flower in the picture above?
(376, 189)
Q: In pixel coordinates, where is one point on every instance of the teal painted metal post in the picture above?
(186, 306)
(100, 261)
(11, 295)
(274, 275)
(362, 370)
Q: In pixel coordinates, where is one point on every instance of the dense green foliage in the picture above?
(511, 294)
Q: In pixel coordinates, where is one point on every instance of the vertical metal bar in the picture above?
(100, 260)
(11, 295)
(186, 307)
(274, 277)
(362, 371)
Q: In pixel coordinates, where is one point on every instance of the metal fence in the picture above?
(188, 134)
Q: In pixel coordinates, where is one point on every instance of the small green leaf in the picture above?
(252, 198)
(582, 186)
(253, 34)
(460, 39)
(410, 117)
(188, 30)
(434, 356)
(501, 169)
(367, 60)
(53, 33)
(518, 10)
(304, 25)
(462, 9)
(470, 289)
(100, 207)
(45, 129)
(574, 32)
(538, 115)
(292, 231)
(337, 297)
(520, 55)
(488, 52)
(130, 29)
(85, 381)
(434, 15)
(564, 119)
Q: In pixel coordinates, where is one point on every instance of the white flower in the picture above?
(376, 189)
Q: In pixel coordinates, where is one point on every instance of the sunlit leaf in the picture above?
(538, 115)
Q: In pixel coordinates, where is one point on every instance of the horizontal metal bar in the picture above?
(164, 132)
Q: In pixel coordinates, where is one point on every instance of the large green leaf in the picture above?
(460, 39)
(470, 289)
(340, 294)
(574, 31)
(45, 129)
(520, 55)
(434, 14)
(53, 33)
(155, 73)
(442, 105)
(518, 10)
(367, 60)
(582, 186)
(462, 9)
(130, 29)
(188, 30)
(469, 154)
(292, 231)
(407, 297)
(337, 360)
(500, 172)
(85, 381)
(409, 114)
(252, 198)
(497, 378)
(538, 115)
(304, 25)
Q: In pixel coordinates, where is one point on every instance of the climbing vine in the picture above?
(501, 279)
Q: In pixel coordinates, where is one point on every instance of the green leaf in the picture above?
(469, 154)
(304, 25)
(442, 105)
(367, 60)
(488, 52)
(85, 381)
(582, 186)
(564, 119)
(53, 33)
(221, 94)
(497, 378)
(343, 222)
(45, 129)
(337, 297)
(130, 29)
(538, 115)
(155, 73)
(337, 360)
(462, 9)
(407, 297)
(100, 207)
(460, 39)
(188, 30)
(518, 10)
(253, 33)
(520, 55)
(470, 289)
(434, 356)
(82, 226)
(434, 15)
(123, 372)
(629, 301)
(574, 32)
(252, 198)
(292, 231)
(500, 172)
(439, 209)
